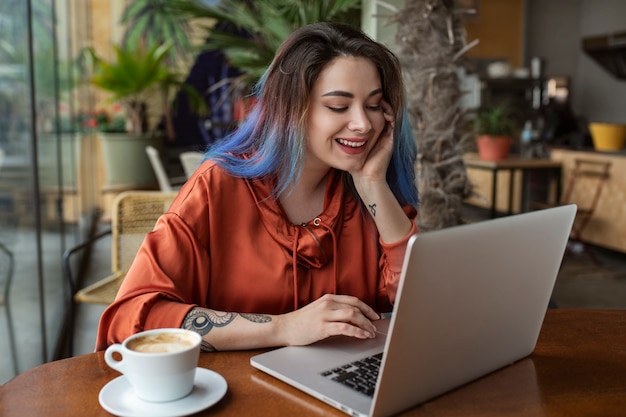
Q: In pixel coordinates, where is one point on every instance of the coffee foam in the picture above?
(160, 343)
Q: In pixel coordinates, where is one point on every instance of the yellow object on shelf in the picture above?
(608, 136)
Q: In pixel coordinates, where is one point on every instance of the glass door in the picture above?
(46, 197)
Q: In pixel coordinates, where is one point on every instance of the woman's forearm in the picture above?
(222, 331)
(329, 315)
(391, 220)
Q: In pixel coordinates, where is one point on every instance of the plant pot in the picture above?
(493, 148)
(126, 163)
(608, 136)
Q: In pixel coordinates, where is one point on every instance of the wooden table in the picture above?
(513, 164)
(578, 369)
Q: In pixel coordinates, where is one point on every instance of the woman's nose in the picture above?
(359, 121)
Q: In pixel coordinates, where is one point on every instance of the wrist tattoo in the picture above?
(372, 208)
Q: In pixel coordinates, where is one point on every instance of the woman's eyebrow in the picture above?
(341, 93)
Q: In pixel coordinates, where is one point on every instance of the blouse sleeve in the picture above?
(167, 279)
(392, 258)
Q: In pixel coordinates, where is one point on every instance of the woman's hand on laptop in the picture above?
(329, 315)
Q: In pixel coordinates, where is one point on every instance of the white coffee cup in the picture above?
(159, 364)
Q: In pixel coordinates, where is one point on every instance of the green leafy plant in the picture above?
(156, 22)
(266, 25)
(495, 120)
(133, 76)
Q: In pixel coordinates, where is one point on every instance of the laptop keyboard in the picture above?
(359, 375)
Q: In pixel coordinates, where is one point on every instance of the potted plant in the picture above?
(495, 127)
(132, 78)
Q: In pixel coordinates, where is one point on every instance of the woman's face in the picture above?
(345, 115)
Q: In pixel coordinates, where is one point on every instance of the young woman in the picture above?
(294, 228)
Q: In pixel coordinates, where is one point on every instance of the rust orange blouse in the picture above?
(226, 244)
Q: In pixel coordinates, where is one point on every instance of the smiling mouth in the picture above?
(351, 144)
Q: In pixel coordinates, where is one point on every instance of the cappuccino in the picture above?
(161, 343)
(159, 364)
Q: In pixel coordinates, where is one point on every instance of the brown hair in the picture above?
(307, 51)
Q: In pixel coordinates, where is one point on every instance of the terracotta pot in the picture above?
(493, 148)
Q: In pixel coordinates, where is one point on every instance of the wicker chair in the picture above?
(134, 215)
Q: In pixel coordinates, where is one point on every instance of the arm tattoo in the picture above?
(256, 318)
(372, 208)
(203, 321)
(207, 347)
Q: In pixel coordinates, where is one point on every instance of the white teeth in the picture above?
(350, 144)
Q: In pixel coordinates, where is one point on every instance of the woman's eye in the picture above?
(336, 109)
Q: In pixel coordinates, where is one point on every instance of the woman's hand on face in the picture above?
(375, 167)
(329, 315)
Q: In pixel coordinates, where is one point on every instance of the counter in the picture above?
(607, 227)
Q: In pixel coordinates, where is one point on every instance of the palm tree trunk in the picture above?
(430, 35)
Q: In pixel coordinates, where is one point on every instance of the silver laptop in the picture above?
(471, 300)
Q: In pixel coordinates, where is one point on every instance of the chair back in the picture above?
(190, 161)
(585, 183)
(159, 169)
(134, 216)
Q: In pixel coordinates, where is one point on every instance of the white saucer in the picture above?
(118, 397)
